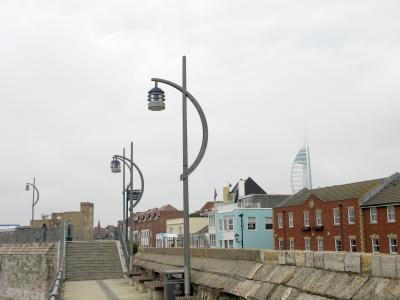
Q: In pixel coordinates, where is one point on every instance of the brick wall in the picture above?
(329, 231)
(382, 229)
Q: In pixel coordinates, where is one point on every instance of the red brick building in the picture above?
(152, 222)
(322, 219)
(356, 217)
(381, 214)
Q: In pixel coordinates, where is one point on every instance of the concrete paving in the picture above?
(107, 289)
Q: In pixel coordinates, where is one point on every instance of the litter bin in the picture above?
(173, 284)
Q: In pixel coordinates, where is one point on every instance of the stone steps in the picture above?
(92, 261)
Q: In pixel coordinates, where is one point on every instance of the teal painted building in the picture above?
(248, 221)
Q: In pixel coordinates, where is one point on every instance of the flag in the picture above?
(215, 194)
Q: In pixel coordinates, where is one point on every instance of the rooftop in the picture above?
(334, 193)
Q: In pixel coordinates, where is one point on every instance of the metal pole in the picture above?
(186, 231)
(131, 212)
(33, 199)
(241, 223)
(123, 193)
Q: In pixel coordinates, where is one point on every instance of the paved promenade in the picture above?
(108, 289)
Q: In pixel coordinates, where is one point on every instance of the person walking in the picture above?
(44, 232)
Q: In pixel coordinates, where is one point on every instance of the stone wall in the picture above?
(27, 270)
(270, 274)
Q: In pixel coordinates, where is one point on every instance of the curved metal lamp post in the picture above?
(35, 189)
(156, 98)
(116, 168)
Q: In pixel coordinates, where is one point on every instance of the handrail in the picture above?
(124, 247)
(58, 281)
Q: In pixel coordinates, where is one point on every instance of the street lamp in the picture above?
(237, 235)
(156, 98)
(34, 202)
(132, 195)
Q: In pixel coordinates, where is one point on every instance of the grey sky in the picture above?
(74, 78)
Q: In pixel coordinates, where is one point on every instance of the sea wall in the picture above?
(27, 270)
(270, 274)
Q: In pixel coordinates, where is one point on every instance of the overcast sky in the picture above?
(74, 77)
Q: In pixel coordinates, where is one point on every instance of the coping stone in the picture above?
(300, 258)
(352, 262)
(290, 258)
(282, 258)
(376, 265)
(388, 266)
(319, 260)
(310, 259)
(366, 264)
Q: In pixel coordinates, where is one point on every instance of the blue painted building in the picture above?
(248, 221)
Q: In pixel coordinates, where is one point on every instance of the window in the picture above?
(221, 224)
(290, 216)
(220, 244)
(306, 217)
(251, 223)
(320, 245)
(280, 220)
(353, 246)
(338, 245)
(393, 245)
(350, 215)
(391, 217)
(318, 217)
(211, 221)
(225, 243)
(281, 245)
(212, 240)
(291, 244)
(372, 215)
(307, 244)
(268, 223)
(375, 245)
(230, 243)
(336, 216)
(230, 224)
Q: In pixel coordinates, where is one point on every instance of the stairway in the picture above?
(92, 260)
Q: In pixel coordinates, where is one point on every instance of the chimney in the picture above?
(226, 191)
(241, 188)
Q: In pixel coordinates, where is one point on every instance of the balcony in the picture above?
(306, 228)
(319, 227)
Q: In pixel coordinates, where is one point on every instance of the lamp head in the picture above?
(236, 237)
(156, 99)
(27, 187)
(115, 166)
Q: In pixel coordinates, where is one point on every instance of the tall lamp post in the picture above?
(35, 189)
(241, 227)
(156, 98)
(132, 195)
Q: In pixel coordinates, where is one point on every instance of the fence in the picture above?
(197, 240)
(31, 235)
(55, 290)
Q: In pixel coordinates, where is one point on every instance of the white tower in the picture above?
(300, 176)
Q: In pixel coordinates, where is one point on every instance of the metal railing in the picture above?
(197, 240)
(55, 291)
(121, 238)
(31, 235)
